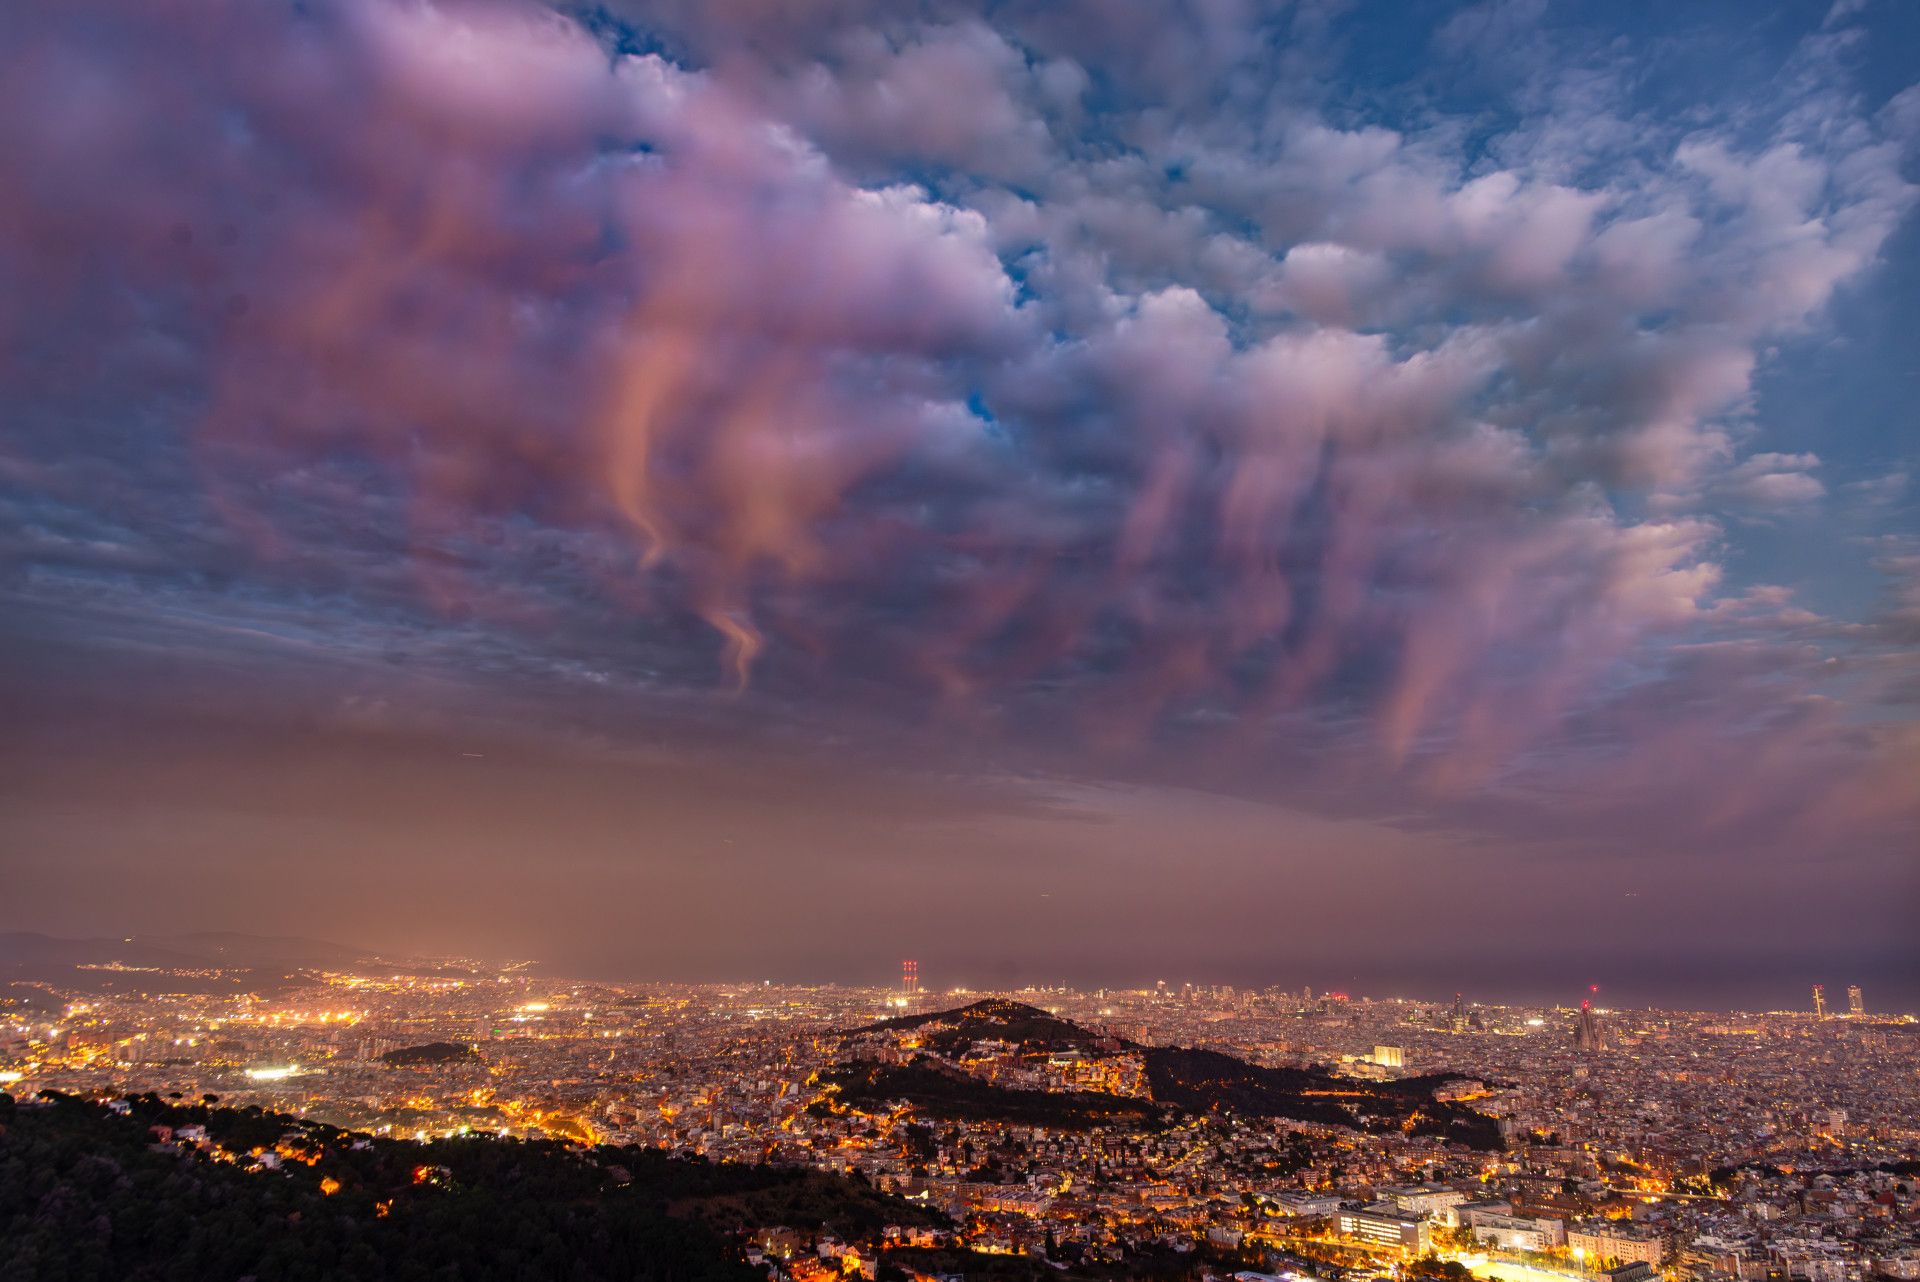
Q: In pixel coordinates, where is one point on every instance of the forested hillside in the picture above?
(142, 1195)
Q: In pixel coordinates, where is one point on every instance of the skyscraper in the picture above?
(1589, 1038)
(1855, 1006)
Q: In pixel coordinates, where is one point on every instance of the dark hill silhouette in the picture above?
(1208, 1081)
(30, 950)
(203, 962)
(87, 1194)
(1195, 1081)
(430, 1053)
(937, 1091)
(998, 1019)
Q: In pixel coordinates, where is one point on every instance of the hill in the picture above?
(1179, 1080)
(1033, 1030)
(944, 1093)
(208, 963)
(430, 1053)
(87, 1193)
(1207, 1081)
(234, 948)
(29, 951)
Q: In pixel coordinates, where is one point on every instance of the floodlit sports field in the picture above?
(1504, 1271)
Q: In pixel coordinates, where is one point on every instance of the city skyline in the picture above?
(1165, 1132)
(1396, 498)
(37, 958)
(960, 640)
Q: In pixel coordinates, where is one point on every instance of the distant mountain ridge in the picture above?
(23, 948)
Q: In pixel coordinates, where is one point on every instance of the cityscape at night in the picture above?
(1131, 1132)
(959, 641)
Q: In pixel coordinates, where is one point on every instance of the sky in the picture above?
(1401, 497)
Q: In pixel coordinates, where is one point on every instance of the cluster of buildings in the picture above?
(1723, 1148)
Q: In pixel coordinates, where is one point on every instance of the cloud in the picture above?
(877, 104)
(1901, 613)
(1774, 481)
(1879, 491)
(1089, 383)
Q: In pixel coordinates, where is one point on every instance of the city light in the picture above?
(553, 553)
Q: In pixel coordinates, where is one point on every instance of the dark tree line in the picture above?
(88, 1194)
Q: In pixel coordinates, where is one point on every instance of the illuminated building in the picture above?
(1423, 1199)
(1389, 1057)
(1604, 1241)
(1588, 1037)
(1303, 1206)
(1516, 1232)
(1381, 1226)
(1819, 1001)
(1638, 1271)
(1855, 1006)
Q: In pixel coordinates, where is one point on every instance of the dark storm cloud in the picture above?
(1204, 394)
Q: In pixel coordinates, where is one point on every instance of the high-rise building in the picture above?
(1819, 1001)
(1855, 1006)
(1589, 1038)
